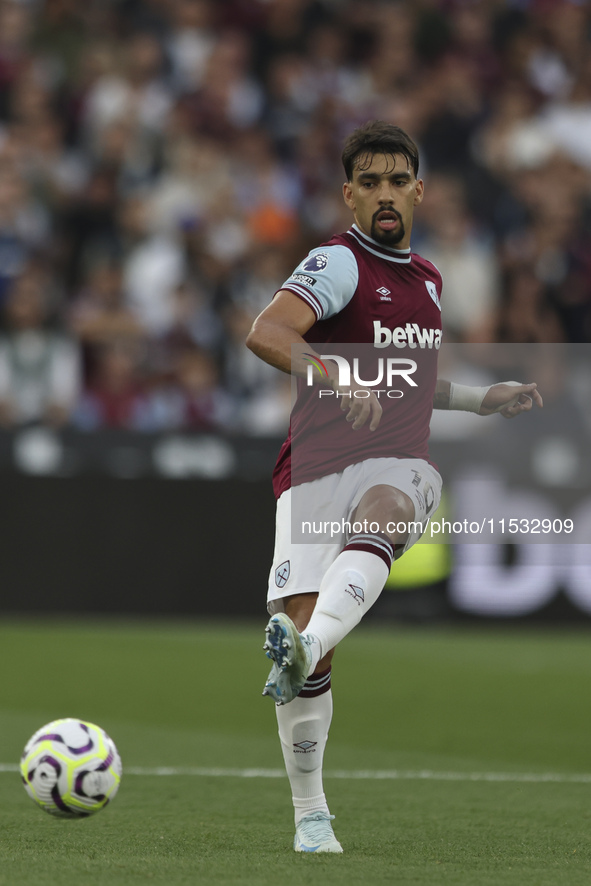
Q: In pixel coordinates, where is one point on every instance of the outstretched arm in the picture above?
(509, 398)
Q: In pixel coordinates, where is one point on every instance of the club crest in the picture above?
(282, 574)
(432, 290)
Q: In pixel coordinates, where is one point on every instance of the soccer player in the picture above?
(364, 287)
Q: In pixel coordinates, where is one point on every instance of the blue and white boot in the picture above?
(314, 833)
(292, 658)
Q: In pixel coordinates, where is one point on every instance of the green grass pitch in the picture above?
(475, 747)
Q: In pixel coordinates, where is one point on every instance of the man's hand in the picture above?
(510, 399)
(360, 408)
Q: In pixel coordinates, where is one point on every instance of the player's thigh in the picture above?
(416, 492)
(386, 509)
(297, 569)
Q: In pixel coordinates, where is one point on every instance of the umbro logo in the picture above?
(384, 293)
(355, 592)
(304, 746)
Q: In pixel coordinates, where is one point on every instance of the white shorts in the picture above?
(298, 568)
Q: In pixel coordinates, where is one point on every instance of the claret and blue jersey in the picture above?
(368, 294)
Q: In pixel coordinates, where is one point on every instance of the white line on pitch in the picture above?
(359, 774)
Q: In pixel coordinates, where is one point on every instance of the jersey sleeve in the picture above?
(326, 280)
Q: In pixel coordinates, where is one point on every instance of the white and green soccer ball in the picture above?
(71, 768)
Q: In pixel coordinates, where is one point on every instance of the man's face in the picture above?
(382, 196)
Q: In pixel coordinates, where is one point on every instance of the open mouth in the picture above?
(388, 220)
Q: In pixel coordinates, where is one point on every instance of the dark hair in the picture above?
(378, 137)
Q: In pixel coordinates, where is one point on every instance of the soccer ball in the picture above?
(71, 768)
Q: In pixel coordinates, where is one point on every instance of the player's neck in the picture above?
(396, 250)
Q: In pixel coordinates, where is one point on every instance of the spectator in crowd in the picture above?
(205, 406)
(115, 395)
(134, 90)
(195, 322)
(39, 366)
(99, 316)
(24, 228)
(526, 314)
(153, 265)
(189, 396)
(189, 43)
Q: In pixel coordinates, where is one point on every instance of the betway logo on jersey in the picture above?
(410, 336)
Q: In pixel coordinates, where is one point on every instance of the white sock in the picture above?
(303, 730)
(350, 587)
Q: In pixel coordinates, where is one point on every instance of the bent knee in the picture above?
(389, 507)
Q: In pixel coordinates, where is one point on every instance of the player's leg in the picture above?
(300, 609)
(296, 574)
(389, 513)
(291, 654)
(304, 723)
(355, 580)
(303, 731)
(384, 506)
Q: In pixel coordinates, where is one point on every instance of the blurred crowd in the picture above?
(164, 164)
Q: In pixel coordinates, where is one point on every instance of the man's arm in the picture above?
(508, 398)
(277, 338)
(281, 325)
(441, 395)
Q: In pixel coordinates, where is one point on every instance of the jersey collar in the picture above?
(401, 256)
